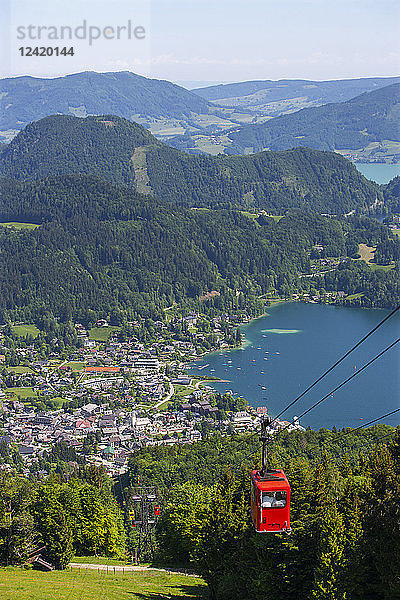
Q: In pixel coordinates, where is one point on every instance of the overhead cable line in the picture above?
(322, 400)
(331, 368)
(357, 448)
(339, 361)
(371, 332)
(344, 382)
(343, 433)
(352, 429)
(238, 463)
(316, 459)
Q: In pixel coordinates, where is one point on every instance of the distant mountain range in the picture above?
(274, 98)
(162, 107)
(125, 153)
(27, 99)
(366, 124)
(196, 121)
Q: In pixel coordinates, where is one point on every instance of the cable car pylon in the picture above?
(270, 492)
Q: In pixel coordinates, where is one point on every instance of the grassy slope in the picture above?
(16, 584)
(20, 369)
(23, 392)
(366, 252)
(75, 366)
(98, 560)
(102, 334)
(16, 225)
(26, 329)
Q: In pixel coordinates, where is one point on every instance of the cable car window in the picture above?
(274, 499)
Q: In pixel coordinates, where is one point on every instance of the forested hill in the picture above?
(104, 248)
(345, 517)
(26, 99)
(355, 124)
(392, 195)
(125, 153)
(100, 146)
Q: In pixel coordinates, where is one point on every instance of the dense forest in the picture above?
(126, 154)
(344, 508)
(106, 248)
(101, 246)
(345, 511)
(100, 146)
(371, 117)
(392, 195)
(275, 181)
(203, 463)
(69, 514)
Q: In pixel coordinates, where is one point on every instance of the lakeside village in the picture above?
(111, 396)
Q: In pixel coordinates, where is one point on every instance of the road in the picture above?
(167, 397)
(127, 568)
(48, 375)
(317, 274)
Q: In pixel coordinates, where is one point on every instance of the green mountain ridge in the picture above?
(26, 99)
(125, 153)
(362, 123)
(257, 95)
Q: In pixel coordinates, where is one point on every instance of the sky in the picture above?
(213, 41)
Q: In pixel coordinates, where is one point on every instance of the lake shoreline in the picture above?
(281, 356)
(265, 314)
(242, 324)
(381, 173)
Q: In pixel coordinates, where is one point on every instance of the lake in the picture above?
(293, 344)
(378, 172)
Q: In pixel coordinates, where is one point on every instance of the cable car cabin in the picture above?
(270, 502)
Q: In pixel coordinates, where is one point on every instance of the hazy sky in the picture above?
(220, 40)
(270, 39)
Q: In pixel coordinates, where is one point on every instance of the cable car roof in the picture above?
(275, 481)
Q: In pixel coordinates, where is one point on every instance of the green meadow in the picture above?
(102, 334)
(16, 225)
(18, 584)
(26, 329)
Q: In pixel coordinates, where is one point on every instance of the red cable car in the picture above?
(270, 502)
(270, 494)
